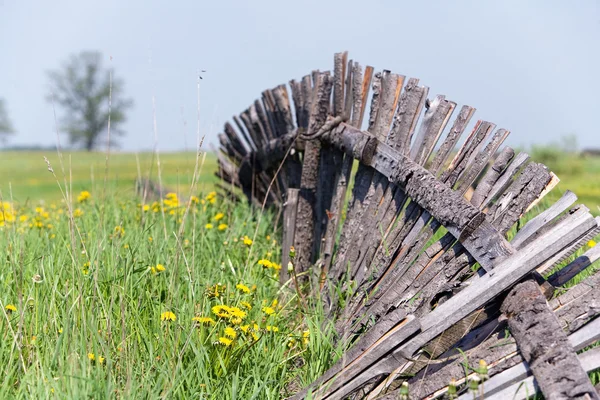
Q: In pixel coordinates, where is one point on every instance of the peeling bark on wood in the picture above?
(544, 345)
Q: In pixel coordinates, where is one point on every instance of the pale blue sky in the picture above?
(530, 66)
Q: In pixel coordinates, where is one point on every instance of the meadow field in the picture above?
(102, 296)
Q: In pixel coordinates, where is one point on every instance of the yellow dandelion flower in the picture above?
(274, 303)
(91, 357)
(204, 320)
(150, 239)
(77, 213)
(194, 199)
(272, 328)
(236, 321)
(276, 266)
(246, 305)
(168, 316)
(591, 243)
(23, 218)
(305, 336)
(10, 308)
(247, 241)
(83, 196)
(160, 268)
(268, 237)
(242, 288)
(222, 227)
(221, 311)
(230, 332)
(268, 310)
(244, 328)
(225, 341)
(236, 312)
(146, 207)
(208, 226)
(255, 336)
(219, 216)
(265, 263)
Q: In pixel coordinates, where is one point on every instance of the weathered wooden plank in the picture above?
(506, 177)
(510, 271)
(434, 121)
(489, 343)
(266, 125)
(405, 120)
(442, 155)
(344, 382)
(339, 65)
(544, 345)
(472, 146)
(249, 142)
(290, 209)
(490, 178)
(567, 273)
(481, 160)
(283, 110)
(590, 361)
(235, 139)
(304, 238)
(391, 85)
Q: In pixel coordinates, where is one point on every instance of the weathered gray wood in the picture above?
(489, 343)
(460, 123)
(506, 177)
(391, 85)
(405, 121)
(579, 304)
(472, 146)
(304, 238)
(240, 125)
(490, 178)
(434, 121)
(235, 139)
(339, 74)
(564, 275)
(363, 344)
(350, 378)
(544, 345)
(290, 209)
(481, 160)
(590, 361)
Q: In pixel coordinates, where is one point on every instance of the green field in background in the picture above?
(26, 175)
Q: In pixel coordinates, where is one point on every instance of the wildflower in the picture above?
(158, 268)
(215, 291)
(10, 308)
(77, 213)
(211, 197)
(292, 252)
(246, 305)
(194, 199)
(268, 237)
(86, 268)
(305, 336)
(119, 231)
(272, 328)
(236, 312)
(83, 196)
(92, 358)
(23, 218)
(204, 320)
(208, 226)
(230, 332)
(168, 316)
(591, 243)
(150, 239)
(225, 341)
(236, 321)
(221, 311)
(268, 310)
(265, 263)
(244, 328)
(222, 227)
(146, 207)
(242, 288)
(247, 241)
(219, 216)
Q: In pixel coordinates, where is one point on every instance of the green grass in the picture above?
(85, 285)
(26, 174)
(88, 287)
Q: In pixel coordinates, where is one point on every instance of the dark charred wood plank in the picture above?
(578, 265)
(405, 121)
(544, 345)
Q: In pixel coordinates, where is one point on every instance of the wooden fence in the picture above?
(398, 274)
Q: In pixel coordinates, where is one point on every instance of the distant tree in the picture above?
(82, 88)
(6, 128)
